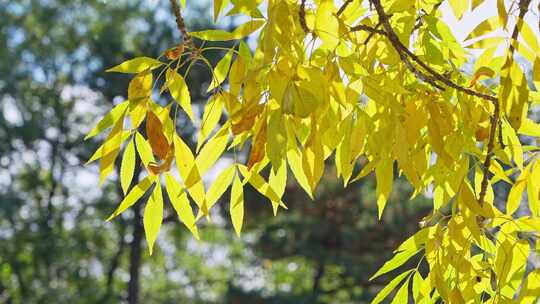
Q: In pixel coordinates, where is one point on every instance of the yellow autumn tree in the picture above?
(374, 86)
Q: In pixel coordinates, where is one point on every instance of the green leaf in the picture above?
(388, 288)
(131, 198)
(397, 260)
(127, 168)
(180, 92)
(180, 203)
(220, 71)
(109, 120)
(402, 295)
(237, 205)
(136, 65)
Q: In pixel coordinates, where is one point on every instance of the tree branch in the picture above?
(302, 16)
(343, 7)
(402, 49)
(180, 24)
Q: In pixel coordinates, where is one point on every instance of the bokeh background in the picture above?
(55, 246)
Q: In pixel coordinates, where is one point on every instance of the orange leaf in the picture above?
(154, 131)
(175, 52)
(257, 147)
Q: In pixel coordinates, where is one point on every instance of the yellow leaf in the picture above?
(180, 92)
(402, 294)
(108, 120)
(294, 158)
(384, 174)
(276, 146)
(459, 7)
(258, 144)
(397, 260)
(390, 286)
(527, 33)
(219, 5)
(240, 32)
(189, 171)
(153, 216)
(278, 179)
(127, 167)
(516, 193)
(136, 65)
(220, 71)
(533, 189)
(143, 149)
(221, 183)
(529, 128)
(344, 166)
(237, 205)
(140, 87)
(133, 196)
(98, 153)
(513, 143)
(530, 291)
(262, 186)
(237, 75)
(210, 119)
(313, 159)
(212, 150)
(110, 150)
(501, 11)
(484, 27)
(327, 25)
(180, 203)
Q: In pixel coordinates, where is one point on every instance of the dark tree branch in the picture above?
(180, 24)
(302, 16)
(404, 51)
(344, 7)
(135, 256)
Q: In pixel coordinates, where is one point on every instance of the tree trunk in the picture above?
(135, 256)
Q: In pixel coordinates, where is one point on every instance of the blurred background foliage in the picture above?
(55, 246)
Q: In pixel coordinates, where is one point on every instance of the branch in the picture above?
(344, 7)
(302, 17)
(180, 24)
(404, 51)
(402, 56)
(367, 28)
